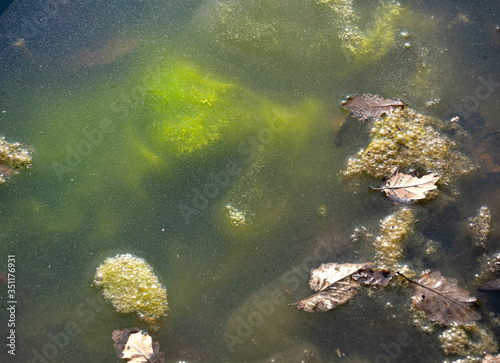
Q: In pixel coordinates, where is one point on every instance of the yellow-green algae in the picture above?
(131, 286)
(13, 156)
(489, 267)
(467, 340)
(389, 245)
(334, 32)
(480, 227)
(193, 110)
(407, 139)
(190, 109)
(167, 115)
(373, 43)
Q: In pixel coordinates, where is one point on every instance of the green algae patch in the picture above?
(389, 244)
(13, 157)
(188, 108)
(467, 340)
(195, 112)
(335, 36)
(407, 139)
(375, 42)
(131, 286)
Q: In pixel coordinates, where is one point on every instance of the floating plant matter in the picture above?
(335, 284)
(13, 156)
(443, 300)
(467, 340)
(136, 346)
(480, 227)
(130, 284)
(405, 138)
(389, 245)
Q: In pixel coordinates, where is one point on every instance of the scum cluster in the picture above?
(407, 139)
(467, 340)
(394, 229)
(480, 227)
(131, 286)
(12, 157)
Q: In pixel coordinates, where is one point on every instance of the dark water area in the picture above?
(208, 138)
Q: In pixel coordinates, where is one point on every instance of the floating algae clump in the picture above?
(480, 227)
(12, 158)
(394, 229)
(468, 340)
(130, 284)
(407, 139)
(377, 40)
(490, 267)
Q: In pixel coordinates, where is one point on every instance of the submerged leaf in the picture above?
(403, 187)
(442, 299)
(137, 346)
(367, 106)
(334, 286)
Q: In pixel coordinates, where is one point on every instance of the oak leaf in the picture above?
(137, 346)
(370, 107)
(333, 285)
(404, 188)
(442, 299)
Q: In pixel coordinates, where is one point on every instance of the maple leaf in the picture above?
(333, 285)
(137, 346)
(367, 106)
(442, 299)
(404, 188)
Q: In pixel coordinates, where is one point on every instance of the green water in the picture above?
(204, 137)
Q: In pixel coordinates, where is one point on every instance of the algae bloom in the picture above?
(407, 139)
(130, 284)
(13, 156)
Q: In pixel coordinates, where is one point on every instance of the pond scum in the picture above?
(131, 286)
(196, 113)
(407, 139)
(13, 157)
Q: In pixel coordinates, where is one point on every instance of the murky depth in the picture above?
(208, 139)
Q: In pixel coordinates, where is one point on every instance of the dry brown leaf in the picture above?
(375, 278)
(329, 273)
(404, 188)
(331, 297)
(334, 286)
(368, 106)
(442, 299)
(488, 358)
(137, 346)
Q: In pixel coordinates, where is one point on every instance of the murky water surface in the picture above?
(207, 137)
